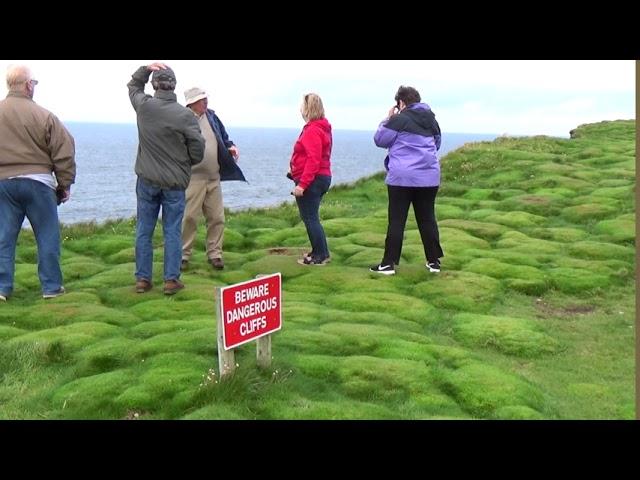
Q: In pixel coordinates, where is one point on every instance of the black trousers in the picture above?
(423, 200)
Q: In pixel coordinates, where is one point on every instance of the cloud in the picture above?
(520, 97)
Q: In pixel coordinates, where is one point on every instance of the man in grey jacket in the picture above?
(170, 142)
(34, 146)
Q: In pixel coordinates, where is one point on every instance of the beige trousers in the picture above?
(205, 196)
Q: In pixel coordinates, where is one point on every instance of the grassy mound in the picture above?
(531, 317)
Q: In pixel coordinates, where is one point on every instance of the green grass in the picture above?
(532, 316)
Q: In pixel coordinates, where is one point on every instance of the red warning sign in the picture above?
(251, 310)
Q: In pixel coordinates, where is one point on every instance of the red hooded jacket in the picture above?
(312, 152)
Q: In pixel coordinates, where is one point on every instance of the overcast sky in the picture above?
(528, 97)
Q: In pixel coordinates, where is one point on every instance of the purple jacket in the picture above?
(413, 138)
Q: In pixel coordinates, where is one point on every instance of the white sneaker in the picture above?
(434, 267)
(3, 298)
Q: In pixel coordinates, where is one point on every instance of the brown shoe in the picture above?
(171, 287)
(216, 263)
(143, 286)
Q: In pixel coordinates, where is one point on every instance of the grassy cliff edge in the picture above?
(531, 317)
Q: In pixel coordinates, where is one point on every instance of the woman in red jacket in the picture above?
(311, 172)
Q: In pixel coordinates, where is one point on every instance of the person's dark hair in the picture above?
(408, 95)
(163, 84)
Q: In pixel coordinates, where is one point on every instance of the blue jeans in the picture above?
(20, 197)
(309, 207)
(150, 199)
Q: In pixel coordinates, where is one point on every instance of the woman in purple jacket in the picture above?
(412, 135)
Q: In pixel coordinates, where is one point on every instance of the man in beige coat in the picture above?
(205, 192)
(37, 168)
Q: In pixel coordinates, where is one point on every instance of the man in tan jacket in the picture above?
(37, 168)
(204, 193)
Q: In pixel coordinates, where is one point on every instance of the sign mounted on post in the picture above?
(250, 310)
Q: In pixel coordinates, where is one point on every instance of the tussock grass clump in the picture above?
(621, 192)
(462, 291)
(285, 264)
(518, 412)
(516, 219)
(355, 410)
(341, 227)
(26, 357)
(617, 230)
(201, 341)
(559, 234)
(73, 336)
(117, 276)
(484, 390)
(364, 258)
(92, 397)
(118, 350)
(153, 328)
(528, 287)
(588, 211)
(126, 255)
(588, 249)
(403, 306)
(487, 231)
(9, 332)
(373, 379)
(520, 242)
(513, 336)
(63, 313)
(614, 269)
(27, 254)
(26, 277)
(456, 235)
(344, 280)
(367, 239)
(449, 211)
(497, 269)
(170, 309)
(577, 281)
(164, 379)
(556, 181)
(478, 194)
(545, 205)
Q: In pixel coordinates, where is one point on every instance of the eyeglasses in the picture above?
(33, 81)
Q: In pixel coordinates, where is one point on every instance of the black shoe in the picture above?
(311, 256)
(313, 261)
(434, 267)
(383, 269)
(183, 265)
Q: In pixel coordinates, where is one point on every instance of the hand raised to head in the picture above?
(157, 66)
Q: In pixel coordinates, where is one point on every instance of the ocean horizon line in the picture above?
(84, 122)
